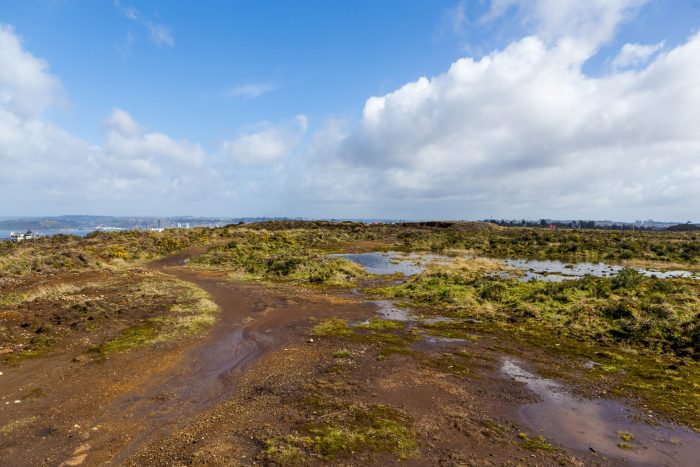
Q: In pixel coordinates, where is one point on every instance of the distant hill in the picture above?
(684, 228)
(84, 222)
(35, 224)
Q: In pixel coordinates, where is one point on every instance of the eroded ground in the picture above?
(207, 357)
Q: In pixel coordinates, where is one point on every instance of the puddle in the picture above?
(391, 312)
(595, 425)
(391, 262)
(439, 341)
(409, 264)
(557, 271)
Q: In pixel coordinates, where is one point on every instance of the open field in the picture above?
(263, 344)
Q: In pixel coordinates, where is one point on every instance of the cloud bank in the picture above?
(44, 165)
(522, 131)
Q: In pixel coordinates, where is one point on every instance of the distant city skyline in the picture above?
(351, 109)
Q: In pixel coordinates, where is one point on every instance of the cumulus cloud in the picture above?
(26, 86)
(633, 55)
(267, 143)
(525, 130)
(126, 139)
(44, 165)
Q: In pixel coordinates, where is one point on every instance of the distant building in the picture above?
(18, 237)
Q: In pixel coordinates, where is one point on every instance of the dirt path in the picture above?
(222, 395)
(96, 413)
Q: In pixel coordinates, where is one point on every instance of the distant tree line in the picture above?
(574, 224)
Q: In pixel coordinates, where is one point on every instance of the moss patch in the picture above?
(353, 429)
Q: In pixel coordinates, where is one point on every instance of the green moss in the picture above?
(537, 443)
(332, 327)
(625, 436)
(378, 324)
(192, 312)
(493, 426)
(11, 298)
(342, 353)
(354, 429)
(133, 337)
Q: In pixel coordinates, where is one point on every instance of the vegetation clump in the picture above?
(660, 315)
(352, 429)
(192, 312)
(538, 443)
(279, 255)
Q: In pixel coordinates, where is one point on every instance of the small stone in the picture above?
(310, 340)
(17, 401)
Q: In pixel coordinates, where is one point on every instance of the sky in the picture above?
(403, 109)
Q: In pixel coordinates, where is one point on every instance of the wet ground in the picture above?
(407, 264)
(56, 420)
(556, 271)
(392, 262)
(602, 426)
(606, 427)
(217, 399)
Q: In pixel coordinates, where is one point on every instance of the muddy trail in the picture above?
(245, 380)
(95, 413)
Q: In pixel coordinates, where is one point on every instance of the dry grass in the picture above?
(41, 292)
(468, 264)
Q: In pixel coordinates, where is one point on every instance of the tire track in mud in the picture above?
(254, 319)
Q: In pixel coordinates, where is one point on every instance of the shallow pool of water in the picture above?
(409, 264)
(598, 425)
(391, 262)
(557, 271)
(389, 311)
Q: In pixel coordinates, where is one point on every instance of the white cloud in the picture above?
(522, 131)
(149, 154)
(250, 90)
(590, 22)
(26, 86)
(633, 55)
(268, 143)
(44, 166)
(525, 130)
(158, 33)
(454, 19)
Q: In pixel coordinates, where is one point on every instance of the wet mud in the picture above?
(606, 427)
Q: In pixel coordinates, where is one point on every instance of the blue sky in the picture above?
(321, 58)
(261, 108)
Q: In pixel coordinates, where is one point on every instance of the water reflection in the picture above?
(599, 425)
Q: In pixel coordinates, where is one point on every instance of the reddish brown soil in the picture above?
(217, 399)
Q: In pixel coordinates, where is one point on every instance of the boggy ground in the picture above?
(259, 383)
(99, 405)
(161, 363)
